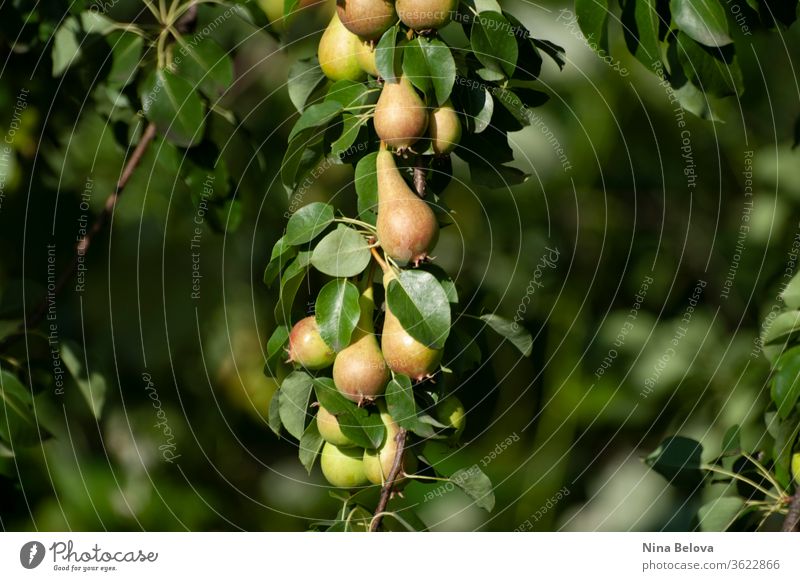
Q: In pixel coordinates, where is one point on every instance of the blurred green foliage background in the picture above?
(579, 412)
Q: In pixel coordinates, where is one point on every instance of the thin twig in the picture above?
(83, 245)
(792, 520)
(388, 486)
(421, 175)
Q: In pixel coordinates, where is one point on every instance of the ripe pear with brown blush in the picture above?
(378, 463)
(366, 58)
(369, 19)
(338, 53)
(407, 227)
(401, 116)
(360, 372)
(307, 348)
(426, 14)
(403, 353)
(444, 129)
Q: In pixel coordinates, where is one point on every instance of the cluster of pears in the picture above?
(361, 372)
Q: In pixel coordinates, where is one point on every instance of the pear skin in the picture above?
(403, 353)
(407, 227)
(359, 371)
(366, 58)
(343, 467)
(307, 348)
(425, 14)
(330, 430)
(444, 129)
(401, 116)
(378, 463)
(368, 19)
(338, 53)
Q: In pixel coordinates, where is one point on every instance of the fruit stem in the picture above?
(388, 487)
(377, 256)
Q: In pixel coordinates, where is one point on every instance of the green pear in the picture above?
(330, 430)
(343, 467)
(444, 129)
(366, 58)
(369, 19)
(378, 463)
(450, 412)
(403, 353)
(426, 14)
(401, 116)
(307, 349)
(407, 227)
(338, 53)
(796, 467)
(360, 372)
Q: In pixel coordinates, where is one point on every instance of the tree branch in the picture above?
(391, 480)
(99, 224)
(421, 175)
(790, 523)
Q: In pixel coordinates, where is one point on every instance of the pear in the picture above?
(401, 117)
(330, 430)
(369, 19)
(407, 227)
(444, 129)
(378, 463)
(425, 14)
(359, 372)
(403, 353)
(366, 58)
(796, 467)
(307, 348)
(450, 412)
(338, 53)
(343, 467)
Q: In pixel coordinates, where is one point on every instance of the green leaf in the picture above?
(702, 20)
(366, 183)
(429, 65)
(282, 252)
(365, 429)
(720, 513)
(92, 386)
(403, 408)
(276, 351)
(308, 223)
(337, 313)
(348, 93)
(640, 25)
(444, 279)
(512, 331)
(66, 46)
(713, 70)
(678, 460)
(786, 382)
(342, 253)
(126, 49)
(205, 64)
(274, 417)
(477, 103)
(351, 128)
(303, 154)
(291, 280)
(17, 423)
(493, 43)
(172, 104)
(305, 77)
(310, 445)
(387, 55)
(316, 116)
(784, 330)
(791, 294)
(731, 442)
(420, 304)
(293, 402)
(593, 21)
(476, 485)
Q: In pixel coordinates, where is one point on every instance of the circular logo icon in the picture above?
(31, 554)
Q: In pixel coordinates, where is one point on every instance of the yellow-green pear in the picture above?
(343, 467)
(444, 129)
(378, 463)
(330, 430)
(338, 53)
(366, 58)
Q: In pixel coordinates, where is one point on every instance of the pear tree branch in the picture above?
(792, 520)
(391, 479)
